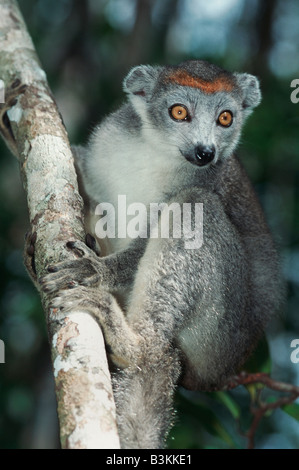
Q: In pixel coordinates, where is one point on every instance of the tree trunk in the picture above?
(32, 128)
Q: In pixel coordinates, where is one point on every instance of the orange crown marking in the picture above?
(222, 83)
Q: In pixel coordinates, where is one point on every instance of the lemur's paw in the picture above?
(70, 300)
(87, 270)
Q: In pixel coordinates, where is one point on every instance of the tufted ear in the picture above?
(141, 80)
(250, 88)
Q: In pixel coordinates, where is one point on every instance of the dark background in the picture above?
(86, 48)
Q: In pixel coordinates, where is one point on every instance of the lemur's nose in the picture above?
(204, 154)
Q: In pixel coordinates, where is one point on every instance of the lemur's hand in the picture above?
(87, 270)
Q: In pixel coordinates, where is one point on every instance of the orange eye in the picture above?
(179, 112)
(225, 119)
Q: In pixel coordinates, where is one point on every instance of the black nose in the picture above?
(204, 154)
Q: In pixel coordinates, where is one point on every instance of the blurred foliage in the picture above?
(86, 48)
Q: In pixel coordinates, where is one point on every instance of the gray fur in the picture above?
(191, 316)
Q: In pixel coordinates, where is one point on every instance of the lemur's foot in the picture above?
(87, 270)
(123, 345)
(77, 298)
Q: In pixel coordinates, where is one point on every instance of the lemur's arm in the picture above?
(240, 201)
(245, 212)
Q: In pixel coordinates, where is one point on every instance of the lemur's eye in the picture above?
(225, 119)
(179, 112)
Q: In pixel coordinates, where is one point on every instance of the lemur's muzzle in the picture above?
(202, 155)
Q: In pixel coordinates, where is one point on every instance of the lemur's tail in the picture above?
(144, 401)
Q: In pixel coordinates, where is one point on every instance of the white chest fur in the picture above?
(130, 172)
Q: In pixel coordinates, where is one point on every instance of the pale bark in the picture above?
(32, 128)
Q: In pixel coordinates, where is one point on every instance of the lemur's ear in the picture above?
(141, 80)
(250, 88)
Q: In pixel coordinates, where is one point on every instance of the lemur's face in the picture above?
(203, 128)
(194, 111)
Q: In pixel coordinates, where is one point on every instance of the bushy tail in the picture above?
(144, 401)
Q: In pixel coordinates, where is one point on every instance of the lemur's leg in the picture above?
(123, 344)
(84, 283)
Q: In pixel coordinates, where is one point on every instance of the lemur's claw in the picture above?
(92, 244)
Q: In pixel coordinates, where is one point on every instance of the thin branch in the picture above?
(246, 378)
(258, 407)
(31, 126)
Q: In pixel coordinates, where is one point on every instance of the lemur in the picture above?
(191, 316)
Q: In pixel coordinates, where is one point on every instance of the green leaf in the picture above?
(260, 361)
(228, 402)
(292, 409)
(207, 419)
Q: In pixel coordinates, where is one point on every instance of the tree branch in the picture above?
(31, 126)
(258, 407)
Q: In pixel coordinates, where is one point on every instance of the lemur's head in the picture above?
(196, 107)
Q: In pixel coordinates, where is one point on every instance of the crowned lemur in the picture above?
(191, 316)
